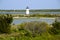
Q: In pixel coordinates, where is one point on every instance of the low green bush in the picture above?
(55, 29)
(35, 27)
(5, 21)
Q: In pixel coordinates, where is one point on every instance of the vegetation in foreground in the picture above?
(5, 21)
(28, 31)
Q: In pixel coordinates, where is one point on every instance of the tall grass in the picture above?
(31, 31)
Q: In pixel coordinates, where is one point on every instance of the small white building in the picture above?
(27, 10)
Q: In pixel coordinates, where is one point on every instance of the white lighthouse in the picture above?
(27, 10)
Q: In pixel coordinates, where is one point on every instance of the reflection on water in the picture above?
(21, 20)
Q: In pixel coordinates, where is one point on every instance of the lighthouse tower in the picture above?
(27, 10)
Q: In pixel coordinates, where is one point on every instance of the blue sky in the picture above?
(33, 4)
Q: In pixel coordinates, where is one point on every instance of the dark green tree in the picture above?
(56, 28)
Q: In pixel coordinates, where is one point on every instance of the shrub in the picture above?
(56, 25)
(35, 27)
(56, 28)
(5, 21)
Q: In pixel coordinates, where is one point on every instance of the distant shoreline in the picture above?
(35, 17)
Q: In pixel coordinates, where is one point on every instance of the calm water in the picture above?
(30, 12)
(22, 20)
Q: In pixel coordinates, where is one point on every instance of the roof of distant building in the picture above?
(27, 7)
